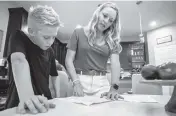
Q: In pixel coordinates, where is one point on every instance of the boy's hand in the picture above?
(63, 68)
(35, 104)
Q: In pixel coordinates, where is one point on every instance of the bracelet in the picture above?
(74, 82)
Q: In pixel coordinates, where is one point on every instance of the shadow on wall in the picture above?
(64, 35)
(60, 44)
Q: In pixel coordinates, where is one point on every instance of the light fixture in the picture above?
(78, 26)
(141, 36)
(153, 24)
(142, 40)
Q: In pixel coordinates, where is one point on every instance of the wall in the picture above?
(159, 33)
(64, 35)
(152, 37)
(4, 13)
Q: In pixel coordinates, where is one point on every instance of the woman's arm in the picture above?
(70, 56)
(78, 90)
(115, 76)
(115, 69)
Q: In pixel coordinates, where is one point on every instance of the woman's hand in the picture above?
(112, 94)
(78, 90)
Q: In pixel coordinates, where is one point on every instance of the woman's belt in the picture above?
(91, 72)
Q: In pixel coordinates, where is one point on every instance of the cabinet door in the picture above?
(17, 20)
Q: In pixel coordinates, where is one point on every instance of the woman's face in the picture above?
(106, 18)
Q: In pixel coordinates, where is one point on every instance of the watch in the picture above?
(115, 86)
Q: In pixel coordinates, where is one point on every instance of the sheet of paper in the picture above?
(63, 108)
(87, 100)
(139, 98)
(70, 102)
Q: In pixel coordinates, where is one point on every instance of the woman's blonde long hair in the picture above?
(112, 34)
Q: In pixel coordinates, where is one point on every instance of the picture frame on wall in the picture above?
(1, 38)
(165, 39)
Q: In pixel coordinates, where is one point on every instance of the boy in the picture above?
(31, 61)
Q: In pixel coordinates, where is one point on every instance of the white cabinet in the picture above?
(141, 88)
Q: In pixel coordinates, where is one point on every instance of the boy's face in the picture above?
(45, 37)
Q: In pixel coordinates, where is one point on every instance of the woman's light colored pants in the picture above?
(94, 85)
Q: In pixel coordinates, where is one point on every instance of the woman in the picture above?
(90, 48)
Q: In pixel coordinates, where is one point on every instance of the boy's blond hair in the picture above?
(44, 15)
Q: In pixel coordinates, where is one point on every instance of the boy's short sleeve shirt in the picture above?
(41, 66)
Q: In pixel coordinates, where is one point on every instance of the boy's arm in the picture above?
(53, 73)
(60, 67)
(54, 87)
(22, 77)
(20, 66)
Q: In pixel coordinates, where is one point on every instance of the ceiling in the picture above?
(73, 13)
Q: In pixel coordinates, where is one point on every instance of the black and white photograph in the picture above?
(87, 58)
